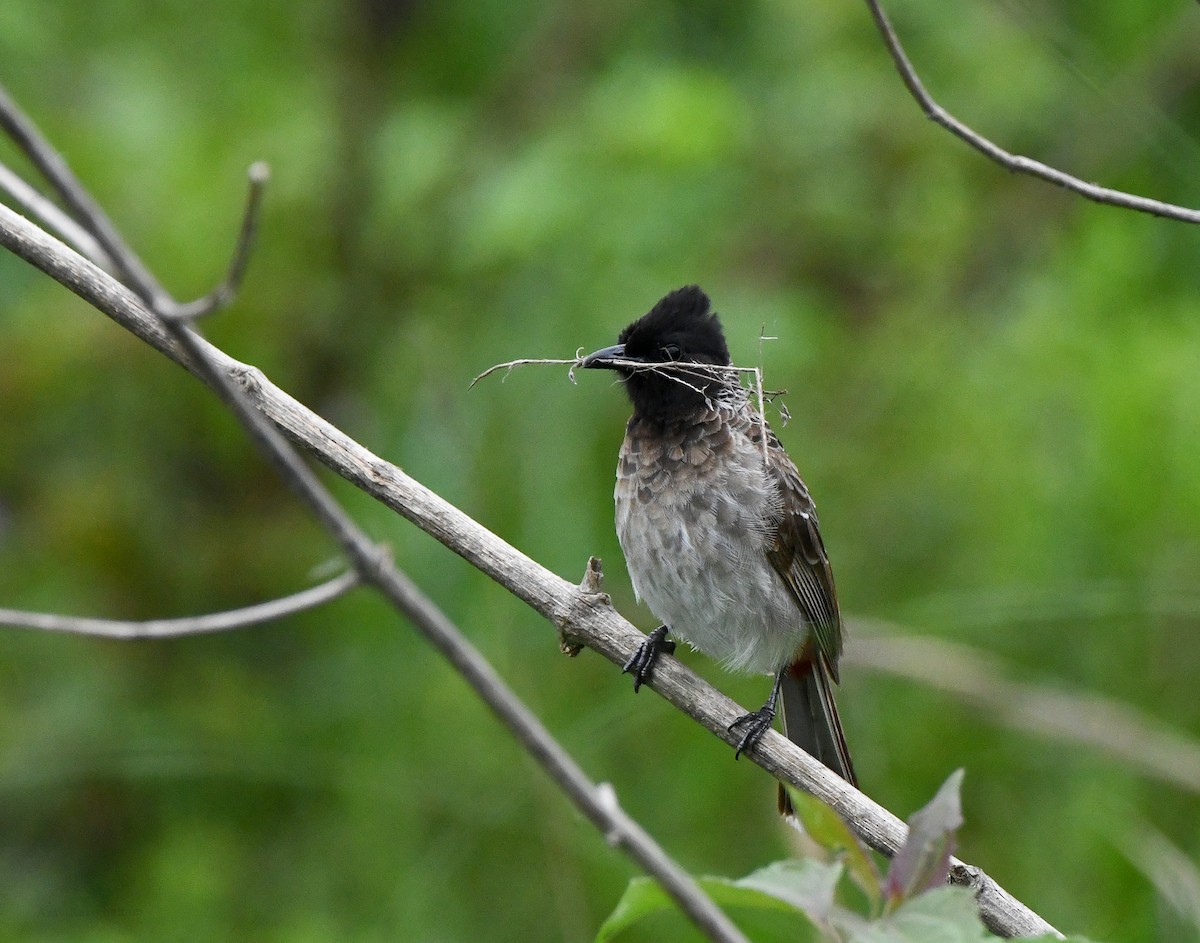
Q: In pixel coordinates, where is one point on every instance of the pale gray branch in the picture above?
(193, 625)
(258, 175)
(598, 803)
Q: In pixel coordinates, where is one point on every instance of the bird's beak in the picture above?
(603, 359)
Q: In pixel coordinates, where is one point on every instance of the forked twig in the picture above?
(87, 212)
(1080, 719)
(125, 262)
(258, 175)
(1167, 866)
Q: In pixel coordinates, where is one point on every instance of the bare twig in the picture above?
(128, 266)
(598, 803)
(194, 625)
(583, 616)
(1013, 162)
(258, 174)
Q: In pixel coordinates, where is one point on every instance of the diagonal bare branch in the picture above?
(1169, 868)
(192, 625)
(597, 802)
(1014, 162)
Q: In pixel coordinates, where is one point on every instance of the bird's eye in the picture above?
(672, 351)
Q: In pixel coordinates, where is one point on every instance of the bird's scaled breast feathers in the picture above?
(696, 511)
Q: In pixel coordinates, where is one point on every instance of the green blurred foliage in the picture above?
(995, 391)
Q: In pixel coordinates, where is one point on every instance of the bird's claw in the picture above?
(642, 661)
(756, 723)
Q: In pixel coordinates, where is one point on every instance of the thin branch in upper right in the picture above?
(1014, 162)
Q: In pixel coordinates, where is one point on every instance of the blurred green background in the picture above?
(995, 392)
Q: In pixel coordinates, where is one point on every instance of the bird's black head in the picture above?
(681, 330)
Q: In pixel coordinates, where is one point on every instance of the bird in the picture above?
(719, 532)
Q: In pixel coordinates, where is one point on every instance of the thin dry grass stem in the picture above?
(675, 371)
(508, 367)
(770, 396)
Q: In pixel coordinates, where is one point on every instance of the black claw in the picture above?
(756, 723)
(647, 654)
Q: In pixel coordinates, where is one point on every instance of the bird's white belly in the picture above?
(694, 542)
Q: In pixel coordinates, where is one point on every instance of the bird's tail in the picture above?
(810, 719)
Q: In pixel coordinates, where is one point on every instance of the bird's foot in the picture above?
(647, 654)
(756, 723)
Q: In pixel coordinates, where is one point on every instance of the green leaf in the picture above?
(804, 889)
(642, 897)
(807, 885)
(944, 915)
(924, 861)
(827, 829)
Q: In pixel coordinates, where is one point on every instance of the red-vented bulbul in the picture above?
(719, 533)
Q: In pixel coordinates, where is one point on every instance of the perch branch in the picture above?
(126, 263)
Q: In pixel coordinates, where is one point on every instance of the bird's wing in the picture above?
(797, 553)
